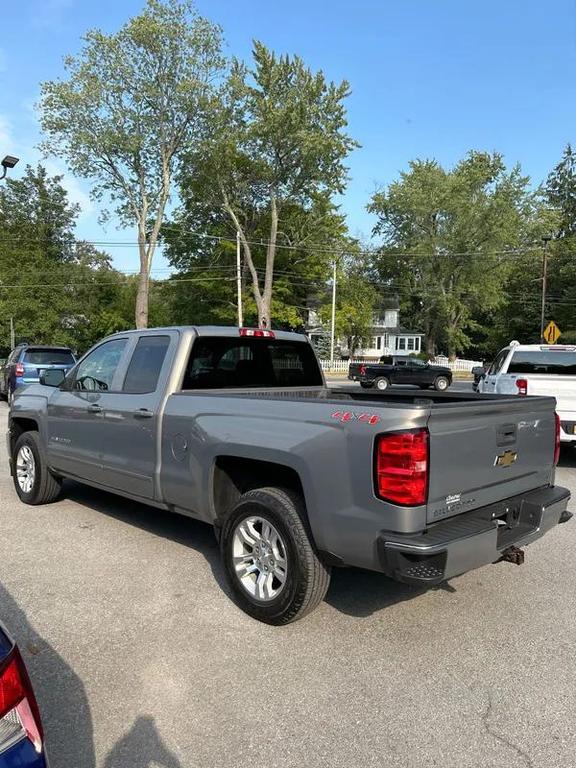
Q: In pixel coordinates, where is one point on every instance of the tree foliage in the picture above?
(129, 105)
(277, 146)
(356, 303)
(56, 289)
(446, 236)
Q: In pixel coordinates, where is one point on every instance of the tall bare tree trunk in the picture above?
(146, 247)
(142, 297)
(265, 317)
(263, 299)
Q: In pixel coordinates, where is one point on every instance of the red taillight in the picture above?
(522, 385)
(402, 461)
(19, 369)
(362, 370)
(557, 440)
(18, 706)
(257, 333)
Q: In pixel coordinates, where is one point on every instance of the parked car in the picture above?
(21, 735)
(400, 370)
(28, 361)
(237, 428)
(538, 369)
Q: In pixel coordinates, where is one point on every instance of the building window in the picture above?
(391, 318)
(400, 342)
(411, 344)
(378, 342)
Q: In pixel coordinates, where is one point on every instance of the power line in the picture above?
(316, 248)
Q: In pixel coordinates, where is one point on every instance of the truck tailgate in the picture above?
(563, 388)
(488, 451)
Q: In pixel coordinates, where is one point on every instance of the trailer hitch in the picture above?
(512, 555)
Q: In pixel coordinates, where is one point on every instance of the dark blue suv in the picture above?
(28, 361)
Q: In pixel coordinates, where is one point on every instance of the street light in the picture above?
(8, 162)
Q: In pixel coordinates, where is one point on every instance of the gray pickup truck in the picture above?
(236, 427)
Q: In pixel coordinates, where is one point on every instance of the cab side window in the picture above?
(96, 372)
(496, 366)
(146, 365)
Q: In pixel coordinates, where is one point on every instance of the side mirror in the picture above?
(52, 378)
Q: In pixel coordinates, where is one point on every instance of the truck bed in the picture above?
(395, 397)
(483, 448)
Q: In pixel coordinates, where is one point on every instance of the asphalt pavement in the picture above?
(141, 660)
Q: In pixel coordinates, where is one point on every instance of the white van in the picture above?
(537, 369)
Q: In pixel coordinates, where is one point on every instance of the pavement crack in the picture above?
(501, 738)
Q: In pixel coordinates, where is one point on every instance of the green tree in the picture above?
(56, 289)
(131, 103)
(356, 301)
(446, 237)
(205, 279)
(560, 192)
(278, 143)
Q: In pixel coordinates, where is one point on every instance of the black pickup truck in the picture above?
(400, 370)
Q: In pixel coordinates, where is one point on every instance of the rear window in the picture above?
(48, 357)
(556, 361)
(219, 363)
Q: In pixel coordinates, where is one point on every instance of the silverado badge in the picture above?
(505, 459)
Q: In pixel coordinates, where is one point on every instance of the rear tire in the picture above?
(9, 395)
(270, 563)
(33, 481)
(382, 384)
(441, 384)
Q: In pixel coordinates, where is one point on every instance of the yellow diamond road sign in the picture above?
(552, 332)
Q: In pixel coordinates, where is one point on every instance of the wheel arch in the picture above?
(235, 475)
(18, 425)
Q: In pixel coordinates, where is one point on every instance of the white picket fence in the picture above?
(458, 364)
(341, 366)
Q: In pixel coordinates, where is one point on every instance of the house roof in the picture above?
(406, 332)
(389, 303)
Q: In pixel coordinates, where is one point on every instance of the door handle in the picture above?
(93, 408)
(143, 413)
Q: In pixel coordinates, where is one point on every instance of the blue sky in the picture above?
(429, 78)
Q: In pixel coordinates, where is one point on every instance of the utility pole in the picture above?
(239, 280)
(12, 334)
(332, 328)
(546, 239)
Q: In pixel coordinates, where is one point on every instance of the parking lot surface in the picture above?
(141, 660)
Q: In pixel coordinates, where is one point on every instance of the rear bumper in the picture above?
(470, 540)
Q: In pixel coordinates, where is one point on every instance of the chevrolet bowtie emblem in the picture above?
(505, 459)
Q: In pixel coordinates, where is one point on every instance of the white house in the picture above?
(387, 337)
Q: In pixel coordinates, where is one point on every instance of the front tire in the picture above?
(270, 563)
(33, 481)
(441, 384)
